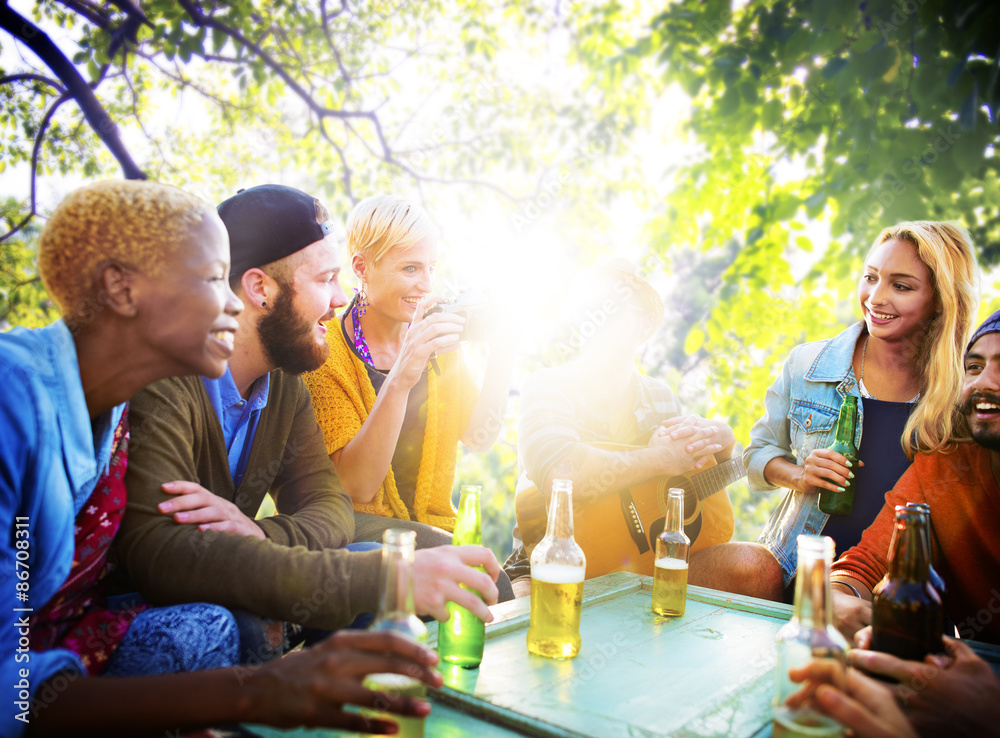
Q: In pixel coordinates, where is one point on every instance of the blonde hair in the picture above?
(946, 249)
(379, 223)
(139, 224)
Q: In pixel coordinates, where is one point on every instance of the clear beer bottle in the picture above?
(462, 637)
(672, 550)
(907, 618)
(840, 503)
(558, 566)
(809, 635)
(396, 613)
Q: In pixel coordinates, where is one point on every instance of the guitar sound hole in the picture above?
(690, 498)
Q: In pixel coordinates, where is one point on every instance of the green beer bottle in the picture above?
(840, 503)
(461, 639)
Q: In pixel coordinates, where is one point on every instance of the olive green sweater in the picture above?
(298, 573)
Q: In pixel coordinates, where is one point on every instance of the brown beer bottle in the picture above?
(936, 580)
(907, 618)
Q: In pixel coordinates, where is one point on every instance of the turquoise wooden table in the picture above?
(708, 673)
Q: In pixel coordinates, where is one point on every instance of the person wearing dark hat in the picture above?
(600, 397)
(960, 483)
(206, 452)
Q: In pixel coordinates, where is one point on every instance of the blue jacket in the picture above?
(800, 415)
(51, 458)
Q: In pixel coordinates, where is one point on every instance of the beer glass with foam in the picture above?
(557, 571)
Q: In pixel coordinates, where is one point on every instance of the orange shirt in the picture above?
(965, 515)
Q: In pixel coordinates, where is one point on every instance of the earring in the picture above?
(362, 299)
(263, 303)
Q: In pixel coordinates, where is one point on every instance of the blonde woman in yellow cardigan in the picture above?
(391, 423)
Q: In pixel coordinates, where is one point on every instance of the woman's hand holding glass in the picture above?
(427, 335)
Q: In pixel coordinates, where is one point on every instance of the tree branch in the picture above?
(33, 37)
(323, 19)
(202, 20)
(39, 138)
(88, 10)
(346, 177)
(26, 76)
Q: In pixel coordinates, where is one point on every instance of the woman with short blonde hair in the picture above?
(395, 396)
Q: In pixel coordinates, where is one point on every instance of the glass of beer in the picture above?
(670, 575)
(558, 567)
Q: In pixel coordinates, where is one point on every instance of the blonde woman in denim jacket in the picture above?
(918, 295)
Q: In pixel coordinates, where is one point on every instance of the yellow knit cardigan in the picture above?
(343, 396)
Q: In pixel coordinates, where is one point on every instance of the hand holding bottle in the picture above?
(311, 687)
(826, 469)
(438, 572)
(849, 697)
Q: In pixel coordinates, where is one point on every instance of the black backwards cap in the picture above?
(990, 325)
(269, 222)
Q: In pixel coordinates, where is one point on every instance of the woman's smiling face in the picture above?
(896, 292)
(401, 279)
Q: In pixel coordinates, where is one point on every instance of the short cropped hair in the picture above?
(382, 222)
(139, 224)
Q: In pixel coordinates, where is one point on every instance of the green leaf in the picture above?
(834, 67)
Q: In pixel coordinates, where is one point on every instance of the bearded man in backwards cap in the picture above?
(205, 452)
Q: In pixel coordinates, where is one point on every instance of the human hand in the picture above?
(438, 572)
(850, 614)
(852, 699)
(310, 687)
(955, 694)
(426, 336)
(686, 426)
(196, 505)
(825, 469)
(690, 451)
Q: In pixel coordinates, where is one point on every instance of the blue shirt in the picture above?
(238, 417)
(51, 457)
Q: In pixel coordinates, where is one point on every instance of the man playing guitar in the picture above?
(600, 398)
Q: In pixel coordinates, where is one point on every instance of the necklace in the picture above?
(861, 381)
(359, 336)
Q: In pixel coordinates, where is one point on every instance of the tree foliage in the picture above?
(808, 116)
(812, 125)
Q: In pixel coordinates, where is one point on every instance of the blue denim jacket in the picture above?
(800, 415)
(51, 458)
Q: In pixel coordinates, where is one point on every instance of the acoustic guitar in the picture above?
(618, 530)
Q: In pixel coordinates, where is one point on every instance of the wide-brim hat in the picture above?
(619, 280)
